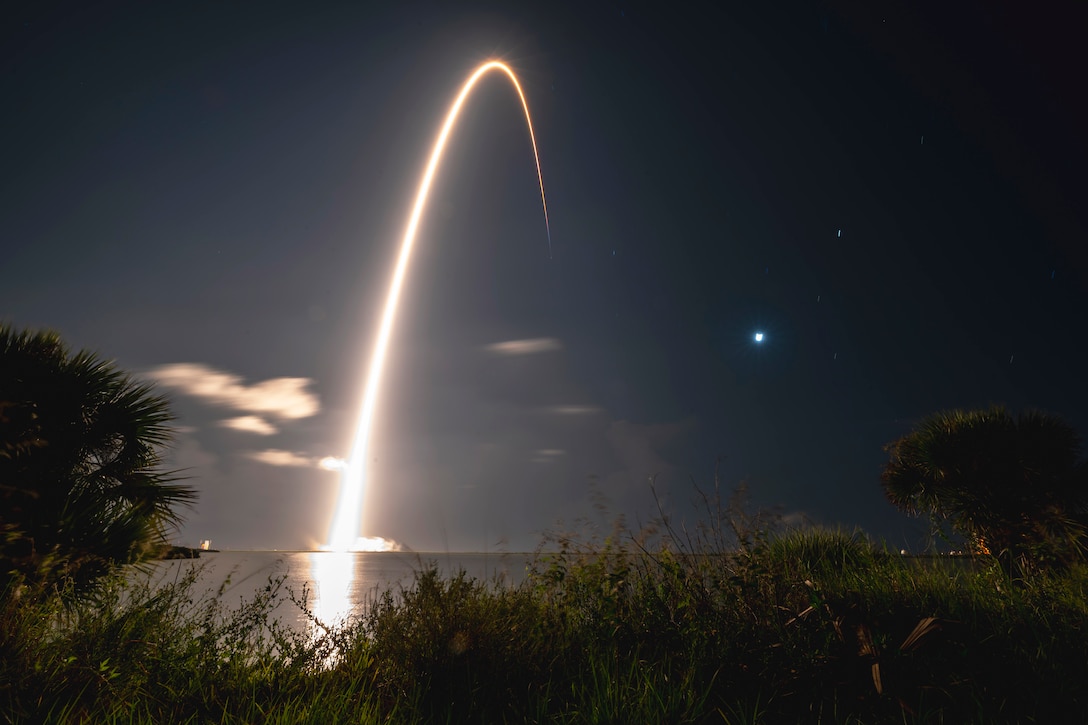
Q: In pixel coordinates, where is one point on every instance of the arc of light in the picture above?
(344, 530)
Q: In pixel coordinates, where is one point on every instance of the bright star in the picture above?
(759, 337)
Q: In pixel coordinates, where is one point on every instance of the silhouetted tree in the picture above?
(1013, 486)
(81, 484)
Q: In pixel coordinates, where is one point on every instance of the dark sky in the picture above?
(893, 193)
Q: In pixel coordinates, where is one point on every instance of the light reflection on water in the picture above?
(336, 584)
(332, 573)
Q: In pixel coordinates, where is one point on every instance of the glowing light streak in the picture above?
(343, 534)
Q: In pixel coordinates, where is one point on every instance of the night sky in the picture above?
(212, 194)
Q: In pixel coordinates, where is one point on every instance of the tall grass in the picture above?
(734, 622)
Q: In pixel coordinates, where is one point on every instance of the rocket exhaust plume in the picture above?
(344, 533)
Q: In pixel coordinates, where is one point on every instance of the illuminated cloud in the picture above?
(278, 397)
(547, 455)
(574, 409)
(375, 543)
(525, 347)
(278, 457)
(250, 424)
(332, 463)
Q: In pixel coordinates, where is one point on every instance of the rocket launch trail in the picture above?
(344, 532)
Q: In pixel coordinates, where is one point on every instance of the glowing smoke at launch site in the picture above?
(344, 532)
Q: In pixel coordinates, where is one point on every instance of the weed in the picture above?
(738, 620)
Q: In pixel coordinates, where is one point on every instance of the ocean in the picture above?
(336, 584)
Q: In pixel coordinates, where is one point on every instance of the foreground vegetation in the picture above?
(83, 488)
(808, 626)
(1013, 486)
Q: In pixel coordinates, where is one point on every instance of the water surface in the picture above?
(335, 584)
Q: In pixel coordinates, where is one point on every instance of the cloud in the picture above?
(574, 409)
(250, 424)
(332, 463)
(547, 455)
(279, 457)
(525, 347)
(376, 543)
(279, 397)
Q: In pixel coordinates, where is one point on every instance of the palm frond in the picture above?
(82, 445)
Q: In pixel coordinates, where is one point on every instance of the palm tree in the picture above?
(1011, 486)
(82, 488)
